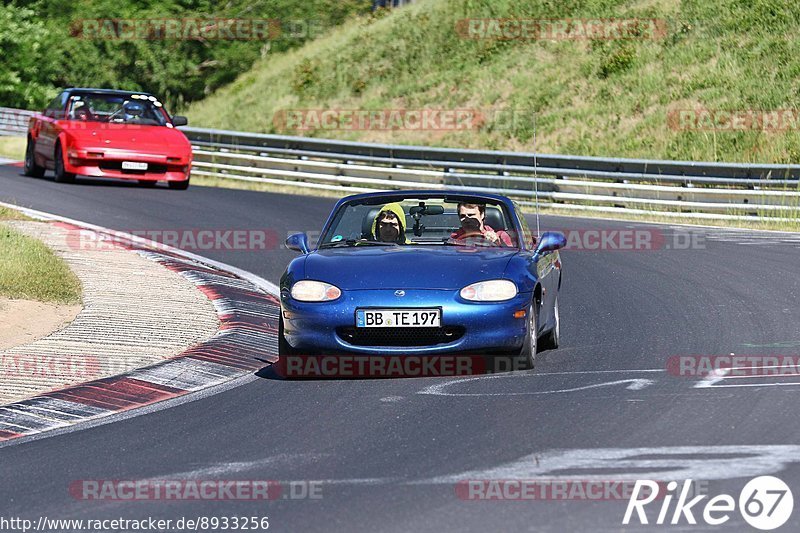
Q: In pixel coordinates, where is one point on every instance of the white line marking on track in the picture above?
(722, 374)
(664, 463)
(598, 372)
(589, 464)
(135, 413)
(238, 467)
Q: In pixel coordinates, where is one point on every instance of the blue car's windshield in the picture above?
(424, 222)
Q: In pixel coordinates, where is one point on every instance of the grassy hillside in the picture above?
(602, 97)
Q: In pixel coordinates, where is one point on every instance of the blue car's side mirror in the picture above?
(298, 242)
(550, 241)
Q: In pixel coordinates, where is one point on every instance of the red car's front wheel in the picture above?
(179, 185)
(31, 168)
(62, 176)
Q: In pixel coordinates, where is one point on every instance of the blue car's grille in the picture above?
(400, 336)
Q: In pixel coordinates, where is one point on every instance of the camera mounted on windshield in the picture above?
(421, 210)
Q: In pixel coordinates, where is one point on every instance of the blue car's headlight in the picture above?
(495, 290)
(314, 291)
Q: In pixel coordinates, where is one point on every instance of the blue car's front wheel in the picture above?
(527, 355)
(553, 337)
(284, 348)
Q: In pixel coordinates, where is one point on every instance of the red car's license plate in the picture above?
(133, 165)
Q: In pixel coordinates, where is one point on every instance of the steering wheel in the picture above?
(113, 115)
(478, 239)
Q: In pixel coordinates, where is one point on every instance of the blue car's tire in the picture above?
(553, 337)
(526, 359)
(284, 348)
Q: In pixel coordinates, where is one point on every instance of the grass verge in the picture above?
(11, 214)
(12, 147)
(30, 270)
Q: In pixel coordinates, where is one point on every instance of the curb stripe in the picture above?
(246, 341)
(8, 435)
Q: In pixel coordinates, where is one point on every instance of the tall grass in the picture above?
(12, 147)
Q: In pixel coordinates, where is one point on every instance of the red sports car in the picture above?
(110, 134)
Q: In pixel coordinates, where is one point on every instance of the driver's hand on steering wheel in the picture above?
(492, 236)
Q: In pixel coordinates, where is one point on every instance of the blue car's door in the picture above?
(549, 274)
(546, 267)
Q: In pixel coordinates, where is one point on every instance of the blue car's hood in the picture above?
(406, 267)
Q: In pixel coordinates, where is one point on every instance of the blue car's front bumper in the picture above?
(323, 327)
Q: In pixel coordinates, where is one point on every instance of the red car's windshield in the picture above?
(116, 108)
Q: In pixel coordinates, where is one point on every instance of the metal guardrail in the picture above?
(14, 121)
(668, 188)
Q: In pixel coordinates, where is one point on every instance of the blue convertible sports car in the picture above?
(421, 272)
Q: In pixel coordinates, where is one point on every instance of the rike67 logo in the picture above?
(765, 503)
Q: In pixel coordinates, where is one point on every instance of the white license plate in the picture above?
(133, 165)
(398, 318)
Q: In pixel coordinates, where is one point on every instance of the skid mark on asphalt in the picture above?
(717, 379)
(633, 384)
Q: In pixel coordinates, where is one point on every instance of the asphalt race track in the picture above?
(388, 453)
